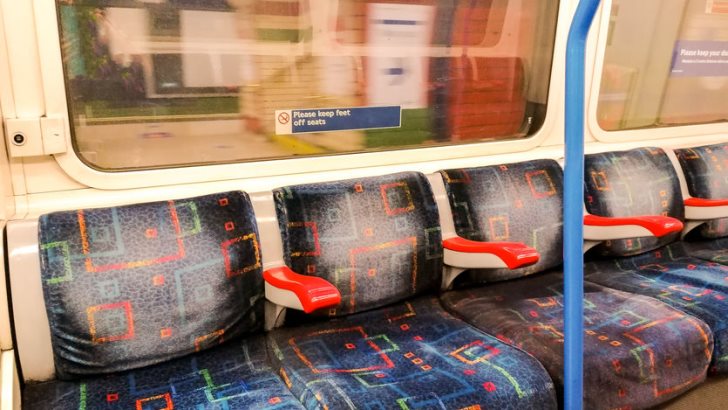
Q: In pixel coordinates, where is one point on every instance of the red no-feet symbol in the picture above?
(283, 118)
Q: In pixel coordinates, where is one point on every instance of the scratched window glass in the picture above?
(665, 64)
(160, 83)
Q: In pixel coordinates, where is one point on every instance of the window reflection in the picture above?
(666, 64)
(174, 82)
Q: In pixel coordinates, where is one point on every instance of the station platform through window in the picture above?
(180, 82)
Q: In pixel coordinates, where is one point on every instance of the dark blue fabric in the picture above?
(641, 181)
(637, 352)
(135, 285)
(694, 286)
(713, 250)
(518, 202)
(233, 376)
(706, 174)
(411, 355)
(376, 239)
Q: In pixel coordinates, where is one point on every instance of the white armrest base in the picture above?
(277, 300)
(458, 262)
(9, 382)
(702, 213)
(606, 233)
(467, 260)
(282, 297)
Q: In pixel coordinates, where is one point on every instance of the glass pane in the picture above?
(665, 64)
(157, 83)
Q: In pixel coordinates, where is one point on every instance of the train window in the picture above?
(665, 64)
(161, 83)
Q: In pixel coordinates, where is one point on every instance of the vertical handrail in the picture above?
(574, 206)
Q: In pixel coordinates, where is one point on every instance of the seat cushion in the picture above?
(409, 355)
(233, 376)
(637, 352)
(692, 285)
(134, 285)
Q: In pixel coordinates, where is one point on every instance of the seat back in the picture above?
(706, 174)
(636, 182)
(377, 239)
(520, 202)
(130, 286)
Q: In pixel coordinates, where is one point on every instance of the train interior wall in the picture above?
(34, 185)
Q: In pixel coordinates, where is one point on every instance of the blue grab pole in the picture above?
(573, 207)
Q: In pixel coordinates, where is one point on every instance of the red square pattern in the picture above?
(314, 232)
(384, 363)
(86, 246)
(402, 209)
(166, 398)
(225, 247)
(91, 313)
(158, 280)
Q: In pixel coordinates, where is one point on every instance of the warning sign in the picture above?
(700, 59)
(337, 119)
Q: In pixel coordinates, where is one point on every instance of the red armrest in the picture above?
(514, 254)
(313, 292)
(703, 203)
(658, 225)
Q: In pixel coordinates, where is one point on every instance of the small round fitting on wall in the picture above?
(19, 139)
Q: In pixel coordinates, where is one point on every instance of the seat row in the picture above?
(397, 291)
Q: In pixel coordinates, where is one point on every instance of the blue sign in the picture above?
(337, 119)
(700, 59)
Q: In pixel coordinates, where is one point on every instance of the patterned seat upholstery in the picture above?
(630, 183)
(715, 250)
(629, 338)
(706, 173)
(691, 285)
(131, 287)
(389, 344)
(233, 376)
(502, 203)
(637, 352)
(644, 182)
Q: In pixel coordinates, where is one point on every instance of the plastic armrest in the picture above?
(464, 253)
(601, 228)
(287, 288)
(705, 209)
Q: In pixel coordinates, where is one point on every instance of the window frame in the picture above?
(632, 135)
(53, 102)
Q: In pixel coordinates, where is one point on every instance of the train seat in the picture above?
(643, 181)
(156, 305)
(637, 352)
(706, 178)
(389, 343)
